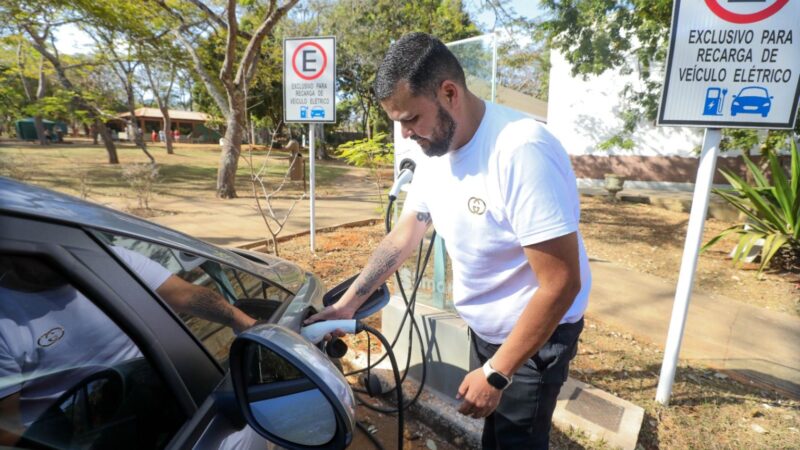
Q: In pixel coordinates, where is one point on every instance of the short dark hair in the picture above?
(420, 59)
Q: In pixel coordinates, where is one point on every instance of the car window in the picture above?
(69, 376)
(214, 300)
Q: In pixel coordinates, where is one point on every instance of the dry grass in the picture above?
(81, 169)
(649, 239)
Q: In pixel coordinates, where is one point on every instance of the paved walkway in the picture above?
(744, 340)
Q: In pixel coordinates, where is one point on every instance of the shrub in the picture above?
(771, 206)
(370, 153)
(141, 177)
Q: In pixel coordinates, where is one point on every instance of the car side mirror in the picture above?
(289, 392)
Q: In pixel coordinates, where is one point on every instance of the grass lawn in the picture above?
(192, 169)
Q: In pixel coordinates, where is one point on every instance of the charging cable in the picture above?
(317, 331)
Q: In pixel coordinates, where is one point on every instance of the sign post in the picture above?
(309, 95)
(731, 63)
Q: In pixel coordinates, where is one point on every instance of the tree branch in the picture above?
(218, 20)
(211, 87)
(244, 73)
(230, 46)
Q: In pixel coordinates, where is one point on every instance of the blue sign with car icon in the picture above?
(318, 111)
(752, 100)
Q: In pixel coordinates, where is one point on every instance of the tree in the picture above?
(161, 86)
(252, 26)
(365, 29)
(37, 20)
(122, 59)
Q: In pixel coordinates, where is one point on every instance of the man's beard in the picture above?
(439, 144)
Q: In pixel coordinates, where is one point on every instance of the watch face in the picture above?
(497, 381)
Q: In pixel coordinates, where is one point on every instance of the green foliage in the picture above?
(772, 208)
(369, 153)
(364, 29)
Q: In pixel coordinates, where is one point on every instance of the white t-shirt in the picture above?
(46, 332)
(510, 186)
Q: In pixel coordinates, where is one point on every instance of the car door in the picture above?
(159, 388)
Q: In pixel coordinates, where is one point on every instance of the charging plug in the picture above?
(404, 177)
(317, 331)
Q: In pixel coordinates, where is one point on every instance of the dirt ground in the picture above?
(650, 239)
(708, 409)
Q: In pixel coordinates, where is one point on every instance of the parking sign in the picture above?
(309, 80)
(733, 63)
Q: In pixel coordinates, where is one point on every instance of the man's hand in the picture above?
(480, 398)
(333, 312)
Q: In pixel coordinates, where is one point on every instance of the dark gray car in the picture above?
(95, 352)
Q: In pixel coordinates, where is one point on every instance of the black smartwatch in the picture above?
(495, 379)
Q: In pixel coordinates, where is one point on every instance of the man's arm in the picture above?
(202, 302)
(385, 260)
(557, 266)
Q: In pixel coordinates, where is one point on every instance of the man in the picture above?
(47, 327)
(501, 192)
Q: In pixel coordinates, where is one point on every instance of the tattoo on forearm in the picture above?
(424, 217)
(208, 305)
(378, 268)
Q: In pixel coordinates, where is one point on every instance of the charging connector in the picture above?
(407, 167)
(317, 331)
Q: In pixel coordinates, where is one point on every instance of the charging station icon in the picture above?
(715, 99)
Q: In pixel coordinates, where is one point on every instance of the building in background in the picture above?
(191, 124)
(584, 112)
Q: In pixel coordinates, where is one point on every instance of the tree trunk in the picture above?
(110, 147)
(138, 137)
(229, 158)
(167, 131)
(95, 132)
(38, 123)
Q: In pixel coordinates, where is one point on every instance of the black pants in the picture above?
(522, 419)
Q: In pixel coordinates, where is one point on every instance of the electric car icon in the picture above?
(752, 100)
(184, 380)
(318, 111)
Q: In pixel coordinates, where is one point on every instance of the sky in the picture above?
(71, 40)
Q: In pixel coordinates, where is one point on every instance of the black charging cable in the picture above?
(395, 371)
(414, 327)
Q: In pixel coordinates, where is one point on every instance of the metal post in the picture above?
(312, 179)
(694, 234)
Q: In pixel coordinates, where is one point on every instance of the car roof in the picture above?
(33, 201)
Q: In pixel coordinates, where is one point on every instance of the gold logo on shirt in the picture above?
(476, 206)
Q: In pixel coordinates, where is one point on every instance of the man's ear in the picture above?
(449, 92)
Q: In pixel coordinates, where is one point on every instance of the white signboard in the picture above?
(309, 80)
(733, 63)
